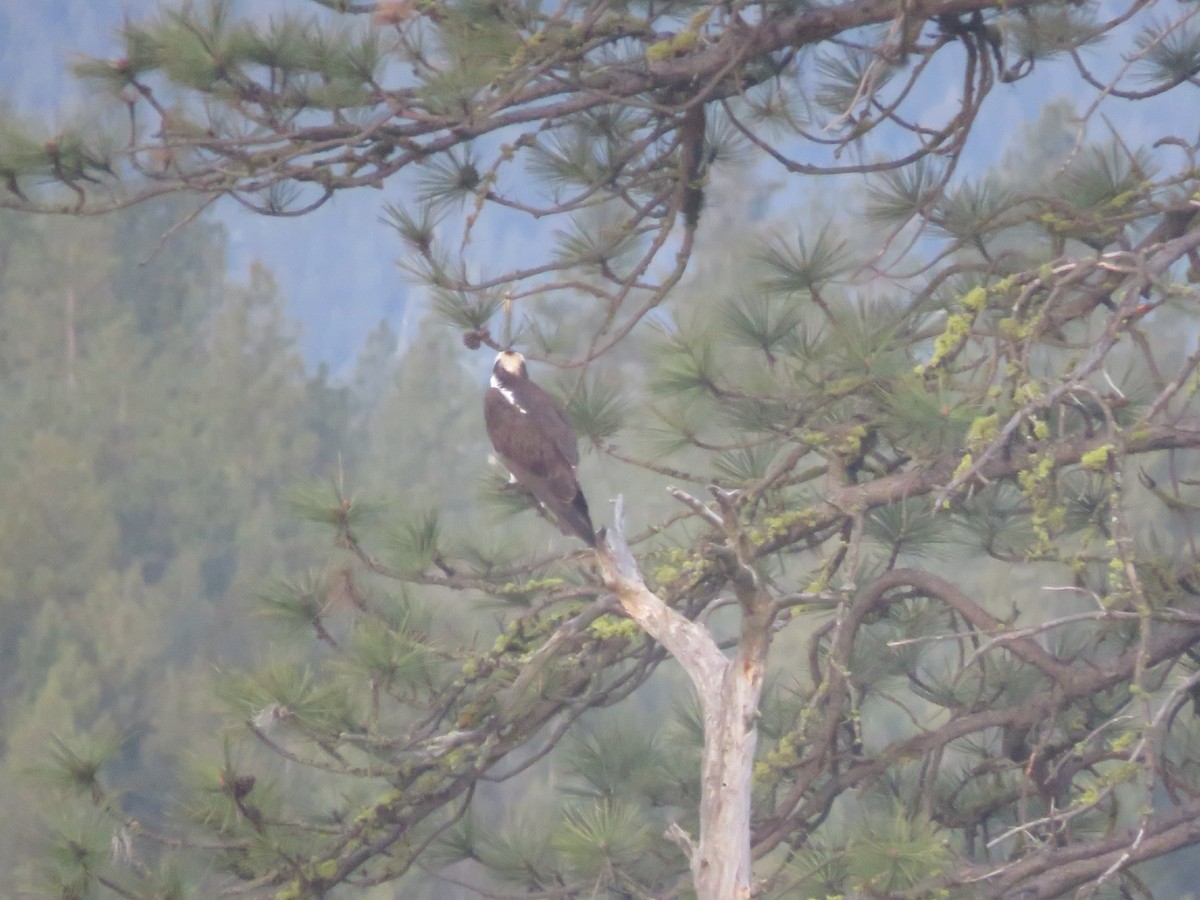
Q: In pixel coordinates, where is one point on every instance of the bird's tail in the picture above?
(574, 520)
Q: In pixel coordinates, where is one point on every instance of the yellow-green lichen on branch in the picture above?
(327, 869)
(1097, 459)
(1058, 225)
(669, 567)
(1014, 329)
(957, 329)
(1028, 392)
(513, 638)
(1004, 285)
(964, 466)
(609, 626)
(1124, 740)
(983, 431)
(527, 590)
(785, 756)
(676, 45)
(975, 299)
(684, 42)
(1048, 516)
(1123, 199)
(779, 525)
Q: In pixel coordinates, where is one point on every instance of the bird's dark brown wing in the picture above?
(553, 420)
(538, 446)
(537, 441)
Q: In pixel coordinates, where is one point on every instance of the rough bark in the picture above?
(729, 689)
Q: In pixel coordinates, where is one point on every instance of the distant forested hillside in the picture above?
(157, 416)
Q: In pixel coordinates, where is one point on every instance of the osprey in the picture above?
(536, 443)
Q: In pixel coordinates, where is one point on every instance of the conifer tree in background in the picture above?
(153, 413)
(931, 568)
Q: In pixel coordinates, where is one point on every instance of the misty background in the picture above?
(159, 402)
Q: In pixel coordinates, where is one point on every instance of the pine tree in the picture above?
(143, 462)
(930, 570)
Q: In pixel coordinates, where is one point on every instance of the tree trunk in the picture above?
(721, 866)
(729, 692)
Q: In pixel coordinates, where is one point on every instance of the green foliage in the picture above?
(448, 179)
(285, 695)
(575, 157)
(1053, 29)
(677, 427)
(819, 869)
(951, 430)
(417, 541)
(325, 503)
(842, 73)
(900, 194)
(998, 522)
(972, 209)
(521, 853)
(618, 763)
(869, 338)
(285, 44)
(418, 229)
(75, 766)
(394, 653)
(75, 849)
(763, 322)
(1105, 175)
(896, 854)
(140, 483)
(605, 843)
(468, 311)
(20, 151)
(595, 241)
(226, 801)
(598, 407)
(878, 658)
(802, 268)
(503, 495)
(926, 421)
(745, 464)
(1169, 52)
(687, 366)
(299, 605)
(910, 528)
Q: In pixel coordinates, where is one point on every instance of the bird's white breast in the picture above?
(507, 394)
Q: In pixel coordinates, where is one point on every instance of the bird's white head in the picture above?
(510, 363)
